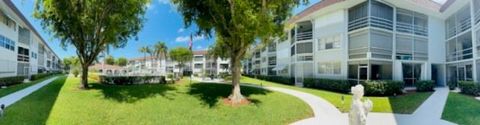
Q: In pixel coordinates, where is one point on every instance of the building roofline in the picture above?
(12, 6)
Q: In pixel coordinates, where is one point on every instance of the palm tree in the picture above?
(145, 50)
(160, 50)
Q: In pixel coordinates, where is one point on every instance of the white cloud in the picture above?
(164, 1)
(187, 38)
(181, 30)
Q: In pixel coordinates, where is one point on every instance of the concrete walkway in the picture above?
(428, 113)
(16, 96)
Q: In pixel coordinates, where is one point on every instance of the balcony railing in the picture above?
(308, 35)
(358, 23)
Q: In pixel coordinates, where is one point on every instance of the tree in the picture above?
(238, 23)
(94, 25)
(109, 60)
(145, 50)
(122, 61)
(160, 50)
(71, 62)
(181, 55)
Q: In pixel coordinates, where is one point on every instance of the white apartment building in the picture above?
(201, 64)
(408, 40)
(22, 50)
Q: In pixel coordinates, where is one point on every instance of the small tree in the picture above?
(94, 26)
(181, 55)
(238, 23)
(109, 60)
(122, 61)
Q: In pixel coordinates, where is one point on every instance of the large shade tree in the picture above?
(91, 25)
(238, 23)
(181, 55)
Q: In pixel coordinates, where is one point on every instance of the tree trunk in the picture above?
(84, 79)
(236, 96)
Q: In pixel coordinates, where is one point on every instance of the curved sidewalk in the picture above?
(18, 95)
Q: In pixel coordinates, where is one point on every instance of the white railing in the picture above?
(381, 23)
(460, 55)
(477, 16)
(463, 25)
(358, 23)
(308, 35)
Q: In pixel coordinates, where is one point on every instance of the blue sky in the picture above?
(163, 24)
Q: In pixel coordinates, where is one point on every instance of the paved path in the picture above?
(16, 96)
(429, 113)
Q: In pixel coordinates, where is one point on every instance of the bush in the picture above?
(469, 87)
(452, 85)
(7, 81)
(383, 87)
(94, 76)
(425, 85)
(342, 86)
(129, 80)
(75, 72)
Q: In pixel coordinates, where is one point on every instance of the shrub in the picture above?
(7, 81)
(75, 72)
(342, 86)
(223, 75)
(425, 85)
(383, 87)
(469, 88)
(129, 80)
(94, 76)
(452, 85)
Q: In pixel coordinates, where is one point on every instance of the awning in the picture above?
(280, 67)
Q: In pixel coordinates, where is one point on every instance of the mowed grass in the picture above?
(200, 103)
(17, 87)
(403, 104)
(462, 109)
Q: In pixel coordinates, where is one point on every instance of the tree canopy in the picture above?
(181, 55)
(238, 23)
(121, 61)
(109, 60)
(160, 50)
(94, 26)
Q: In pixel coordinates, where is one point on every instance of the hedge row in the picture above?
(469, 88)
(342, 86)
(7, 81)
(42, 75)
(129, 80)
(278, 79)
(372, 88)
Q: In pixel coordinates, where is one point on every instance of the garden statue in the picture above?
(359, 109)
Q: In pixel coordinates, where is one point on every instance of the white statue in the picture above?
(359, 110)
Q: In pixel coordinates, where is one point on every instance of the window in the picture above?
(7, 43)
(272, 60)
(7, 21)
(330, 42)
(329, 68)
(304, 48)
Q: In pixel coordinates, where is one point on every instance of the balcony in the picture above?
(308, 35)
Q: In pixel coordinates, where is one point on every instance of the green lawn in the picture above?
(62, 102)
(462, 109)
(14, 88)
(404, 104)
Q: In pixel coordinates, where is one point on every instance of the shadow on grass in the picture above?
(36, 107)
(133, 93)
(211, 93)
